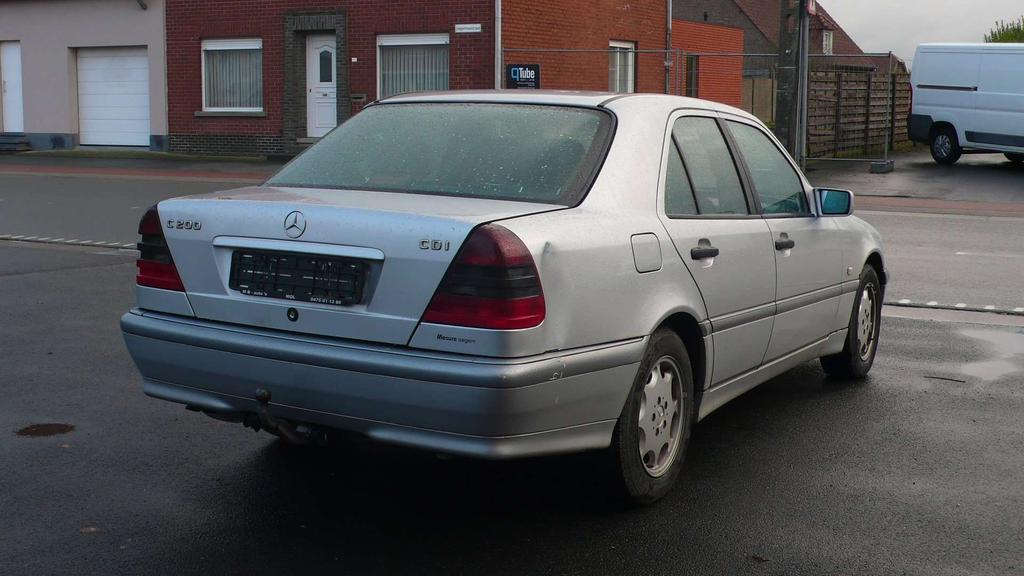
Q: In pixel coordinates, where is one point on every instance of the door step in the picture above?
(14, 143)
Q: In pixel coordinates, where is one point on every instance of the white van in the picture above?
(968, 98)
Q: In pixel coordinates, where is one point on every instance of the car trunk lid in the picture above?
(350, 264)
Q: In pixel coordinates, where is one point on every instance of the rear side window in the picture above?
(775, 181)
(531, 153)
(679, 199)
(716, 184)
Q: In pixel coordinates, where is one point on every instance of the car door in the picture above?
(807, 247)
(725, 244)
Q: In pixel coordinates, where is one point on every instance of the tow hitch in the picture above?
(301, 434)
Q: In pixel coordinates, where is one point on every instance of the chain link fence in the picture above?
(857, 105)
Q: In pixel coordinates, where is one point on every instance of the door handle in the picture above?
(784, 242)
(703, 251)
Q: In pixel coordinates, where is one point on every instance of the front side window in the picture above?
(411, 63)
(233, 75)
(776, 182)
(621, 66)
(715, 181)
(547, 154)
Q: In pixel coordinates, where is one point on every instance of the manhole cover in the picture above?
(52, 429)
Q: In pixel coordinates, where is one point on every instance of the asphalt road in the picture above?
(915, 471)
(976, 177)
(947, 259)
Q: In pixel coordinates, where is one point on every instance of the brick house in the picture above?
(718, 78)
(759, 20)
(269, 77)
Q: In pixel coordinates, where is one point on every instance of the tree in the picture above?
(1012, 31)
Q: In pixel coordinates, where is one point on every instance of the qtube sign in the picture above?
(522, 76)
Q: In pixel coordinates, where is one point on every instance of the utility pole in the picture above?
(791, 91)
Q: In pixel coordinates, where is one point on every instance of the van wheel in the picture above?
(862, 336)
(653, 431)
(1015, 157)
(945, 145)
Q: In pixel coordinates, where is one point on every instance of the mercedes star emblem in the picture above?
(294, 224)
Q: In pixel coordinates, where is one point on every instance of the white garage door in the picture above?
(113, 96)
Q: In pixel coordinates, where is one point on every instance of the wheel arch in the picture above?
(689, 330)
(874, 260)
(940, 125)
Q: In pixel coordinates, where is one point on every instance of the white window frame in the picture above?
(407, 40)
(227, 44)
(826, 42)
(631, 78)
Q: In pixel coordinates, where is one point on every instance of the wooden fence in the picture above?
(856, 113)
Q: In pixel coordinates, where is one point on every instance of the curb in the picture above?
(959, 307)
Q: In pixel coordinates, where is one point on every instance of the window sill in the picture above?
(228, 113)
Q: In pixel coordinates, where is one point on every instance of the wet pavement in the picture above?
(915, 471)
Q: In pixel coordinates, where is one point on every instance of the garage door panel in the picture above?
(124, 101)
(113, 75)
(113, 96)
(106, 125)
(113, 89)
(112, 113)
(121, 138)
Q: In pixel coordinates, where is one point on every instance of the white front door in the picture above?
(10, 87)
(321, 85)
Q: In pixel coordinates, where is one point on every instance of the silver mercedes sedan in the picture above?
(504, 274)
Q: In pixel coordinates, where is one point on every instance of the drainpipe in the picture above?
(499, 57)
(668, 44)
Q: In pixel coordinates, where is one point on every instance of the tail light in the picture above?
(156, 267)
(492, 283)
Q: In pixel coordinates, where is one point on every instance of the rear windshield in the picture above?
(546, 154)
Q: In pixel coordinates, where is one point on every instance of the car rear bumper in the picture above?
(483, 407)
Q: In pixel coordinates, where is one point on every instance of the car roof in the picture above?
(971, 47)
(562, 98)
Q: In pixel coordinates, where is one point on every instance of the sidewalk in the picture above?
(157, 168)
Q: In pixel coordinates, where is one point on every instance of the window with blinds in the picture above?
(411, 63)
(621, 66)
(233, 75)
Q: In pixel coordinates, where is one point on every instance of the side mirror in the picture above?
(833, 202)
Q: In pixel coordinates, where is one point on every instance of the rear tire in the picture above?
(858, 354)
(945, 145)
(1015, 157)
(653, 431)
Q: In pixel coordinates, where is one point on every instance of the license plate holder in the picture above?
(332, 280)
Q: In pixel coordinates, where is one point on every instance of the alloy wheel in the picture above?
(661, 416)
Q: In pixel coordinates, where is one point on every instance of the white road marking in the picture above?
(17, 237)
(904, 301)
(31, 238)
(932, 303)
(990, 307)
(960, 305)
(990, 254)
(1019, 309)
(128, 245)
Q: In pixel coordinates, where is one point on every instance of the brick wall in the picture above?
(727, 13)
(720, 77)
(188, 22)
(570, 24)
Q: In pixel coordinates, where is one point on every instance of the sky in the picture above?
(900, 25)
